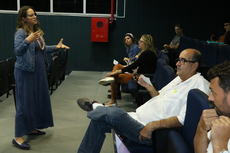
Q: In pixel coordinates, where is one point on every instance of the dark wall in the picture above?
(199, 18)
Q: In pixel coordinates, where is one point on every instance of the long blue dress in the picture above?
(32, 97)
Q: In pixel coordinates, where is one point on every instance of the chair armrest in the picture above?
(177, 144)
(160, 139)
(142, 91)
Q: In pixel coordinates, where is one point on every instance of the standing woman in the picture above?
(146, 63)
(132, 48)
(33, 107)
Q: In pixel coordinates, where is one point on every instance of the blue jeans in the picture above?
(103, 119)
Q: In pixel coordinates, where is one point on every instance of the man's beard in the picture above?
(225, 107)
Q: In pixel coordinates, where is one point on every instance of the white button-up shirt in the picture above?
(171, 101)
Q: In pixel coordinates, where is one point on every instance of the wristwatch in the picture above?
(117, 71)
(224, 151)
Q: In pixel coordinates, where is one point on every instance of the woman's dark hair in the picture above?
(134, 40)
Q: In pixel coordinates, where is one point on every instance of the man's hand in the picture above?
(206, 119)
(220, 133)
(142, 82)
(201, 140)
(146, 132)
(166, 46)
(152, 91)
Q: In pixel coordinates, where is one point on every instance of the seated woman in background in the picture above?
(146, 63)
(132, 48)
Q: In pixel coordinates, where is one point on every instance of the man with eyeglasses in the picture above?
(166, 108)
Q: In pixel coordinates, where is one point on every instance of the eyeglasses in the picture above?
(226, 25)
(141, 41)
(183, 61)
(31, 15)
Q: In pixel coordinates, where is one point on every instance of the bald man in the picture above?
(166, 108)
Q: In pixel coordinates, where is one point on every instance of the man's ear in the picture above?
(195, 65)
(228, 98)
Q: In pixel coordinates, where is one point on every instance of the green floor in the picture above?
(70, 122)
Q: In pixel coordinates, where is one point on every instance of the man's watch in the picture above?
(224, 151)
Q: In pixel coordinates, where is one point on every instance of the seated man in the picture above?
(174, 44)
(218, 119)
(227, 28)
(171, 49)
(166, 109)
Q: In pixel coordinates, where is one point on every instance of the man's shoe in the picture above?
(86, 104)
(106, 81)
(23, 145)
(37, 133)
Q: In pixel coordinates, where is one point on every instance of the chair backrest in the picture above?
(157, 51)
(4, 78)
(197, 101)
(157, 75)
(202, 47)
(65, 55)
(224, 54)
(212, 54)
(167, 74)
(193, 43)
(184, 43)
(164, 57)
(64, 61)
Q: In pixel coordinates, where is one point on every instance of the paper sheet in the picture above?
(115, 62)
(147, 80)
